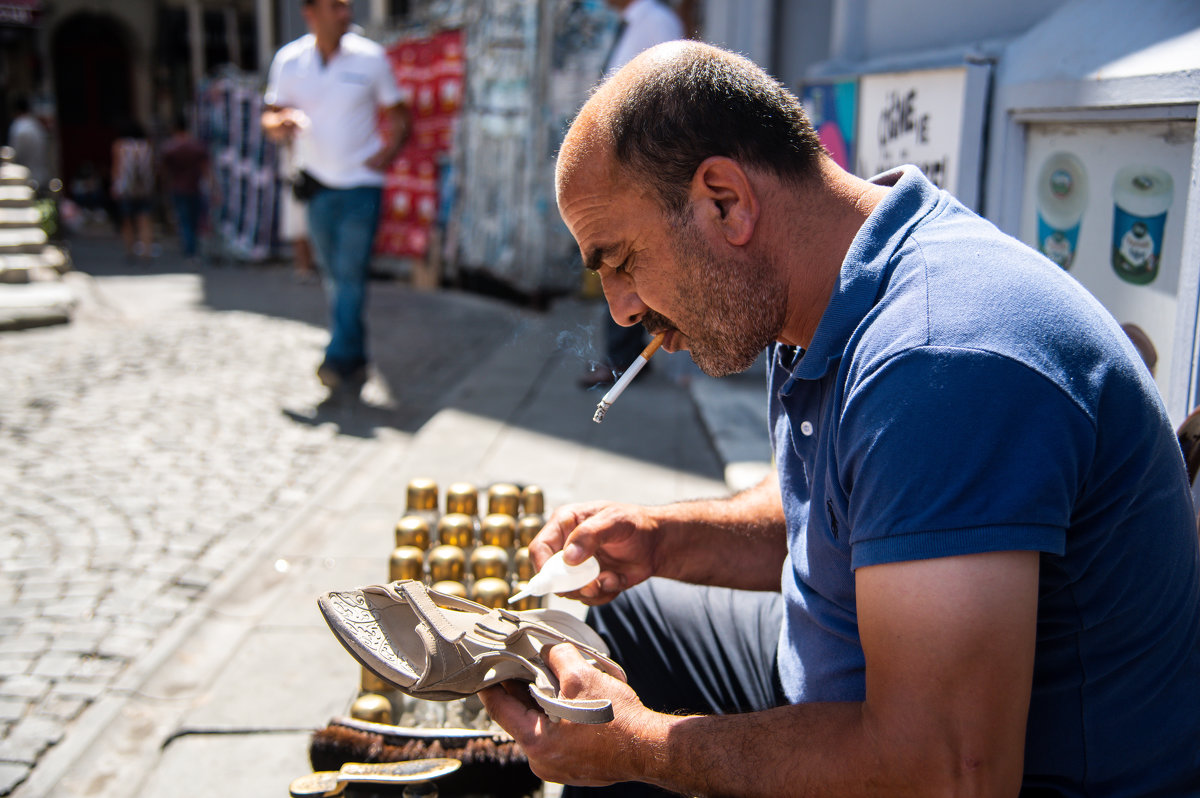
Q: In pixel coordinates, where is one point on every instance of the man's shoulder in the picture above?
(295, 48)
(358, 45)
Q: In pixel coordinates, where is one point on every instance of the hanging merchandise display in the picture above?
(430, 72)
(532, 65)
(245, 191)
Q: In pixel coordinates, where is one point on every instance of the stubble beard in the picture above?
(734, 308)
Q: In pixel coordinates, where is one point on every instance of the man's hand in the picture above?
(574, 753)
(397, 127)
(282, 124)
(622, 536)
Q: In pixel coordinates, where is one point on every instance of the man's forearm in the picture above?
(735, 542)
(806, 749)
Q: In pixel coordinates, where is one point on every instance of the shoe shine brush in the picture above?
(558, 577)
(626, 378)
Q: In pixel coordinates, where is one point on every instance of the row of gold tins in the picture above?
(463, 497)
(484, 559)
(487, 559)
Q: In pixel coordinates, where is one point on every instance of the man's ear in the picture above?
(725, 197)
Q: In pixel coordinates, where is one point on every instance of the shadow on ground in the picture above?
(429, 346)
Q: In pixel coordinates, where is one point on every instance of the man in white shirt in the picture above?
(28, 139)
(324, 94)
(644, 23)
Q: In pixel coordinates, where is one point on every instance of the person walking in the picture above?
(27, 136)
(644, 23)
(133, 186)
(185, 167)
(325, 92)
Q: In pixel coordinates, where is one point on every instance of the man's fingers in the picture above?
(510, 705)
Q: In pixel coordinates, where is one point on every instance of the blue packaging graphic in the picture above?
(1142, 196)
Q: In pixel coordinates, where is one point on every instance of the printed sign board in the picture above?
(930, 118)
(1106, 202)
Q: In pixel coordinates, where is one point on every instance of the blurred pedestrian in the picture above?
(29, 140)
(644, 23)
(133, 184)
(185, 167)
(325, 92)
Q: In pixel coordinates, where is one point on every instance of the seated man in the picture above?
(979, 528)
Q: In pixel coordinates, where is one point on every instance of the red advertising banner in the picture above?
(430, 73)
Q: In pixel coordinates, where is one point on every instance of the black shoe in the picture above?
(337, 378)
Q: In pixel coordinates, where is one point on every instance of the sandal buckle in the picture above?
(499, 625)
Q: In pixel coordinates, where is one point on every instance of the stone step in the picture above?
(13, 172)
(23, 238)
(19, 217)
(48, 258)
(16, 196)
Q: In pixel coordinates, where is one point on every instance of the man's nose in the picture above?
(626, 307)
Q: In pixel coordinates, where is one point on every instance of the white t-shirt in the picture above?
(341, 100)
(28, 139)
(647, 23)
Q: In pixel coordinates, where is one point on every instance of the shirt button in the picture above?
(806, 427)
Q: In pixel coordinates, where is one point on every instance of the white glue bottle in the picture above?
(558, 577)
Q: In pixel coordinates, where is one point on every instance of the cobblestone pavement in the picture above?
(146, 444)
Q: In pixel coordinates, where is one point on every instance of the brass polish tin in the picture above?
(498, 529)
(370, 683)
(489, 561)
(406, 562)
(491, 592)
(447, 562)
(504, 497)
(450, 587)
(422, 495)
(412, 530)
(372, 708)
(456, 529)
(522, 564)
(533, 501)
(462, 497)
(528, 527)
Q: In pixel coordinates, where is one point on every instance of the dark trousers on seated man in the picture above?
(698, 650)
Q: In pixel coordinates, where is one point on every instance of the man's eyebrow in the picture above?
(597, 255)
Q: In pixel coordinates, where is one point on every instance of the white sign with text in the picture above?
(913, 117)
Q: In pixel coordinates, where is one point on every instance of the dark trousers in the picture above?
(694, 650)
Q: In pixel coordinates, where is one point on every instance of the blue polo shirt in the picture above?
(961, 395)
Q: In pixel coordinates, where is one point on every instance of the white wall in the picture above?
(889, 27)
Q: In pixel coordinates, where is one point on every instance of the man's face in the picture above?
(714, 301)
(329, 19)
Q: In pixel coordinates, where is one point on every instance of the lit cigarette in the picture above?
(627, 377)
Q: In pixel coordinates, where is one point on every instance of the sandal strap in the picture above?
(580, 710)
(417, 597)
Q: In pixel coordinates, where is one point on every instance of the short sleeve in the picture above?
(273, 95)
(937, 459)
(387, 93)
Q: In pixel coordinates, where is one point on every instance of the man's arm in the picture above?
(738, 541)
(949, 655)
(398, 129)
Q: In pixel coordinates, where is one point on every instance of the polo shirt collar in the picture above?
(866, 267)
